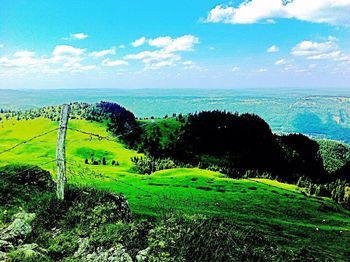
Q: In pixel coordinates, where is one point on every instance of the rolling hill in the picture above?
(278, 210)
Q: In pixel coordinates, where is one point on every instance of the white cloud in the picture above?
(1, 45)
(79, 36)
(67, 50)
(335, 55)
(235, 69)
(103, 53)
(273, 49)
(71, 59)
(155, 59)
(270, 21)
(188, 63)
(89, 67)
(24, 54)
(286, 65)
(5, 62)
(334, 12)
(77, 67)
(328, 50)
(281, 62)
(64, 59)
(183, 43)
(157, 65)
(121, 46)
(108, 62)
(161, 41)
(309, 48)
(21, 59)
(18, 62)
(139, 42)
(261, 70)
(150, 56)
(167, 53)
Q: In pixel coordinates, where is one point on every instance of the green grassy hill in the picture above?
(278, 210)
(79, 146)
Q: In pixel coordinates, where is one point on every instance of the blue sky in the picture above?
(172, 44)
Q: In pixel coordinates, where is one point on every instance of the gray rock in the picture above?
(19, 228)
(5, 246)
(142, 255)
(27, 217)
(83, 249)
(3, 256)
(114, 254)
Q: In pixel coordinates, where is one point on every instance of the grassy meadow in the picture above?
(278, 210)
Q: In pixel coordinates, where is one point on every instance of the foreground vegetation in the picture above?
(181, 192)
(93, 224)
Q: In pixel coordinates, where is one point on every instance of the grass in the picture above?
(276, 209)
(79, 146)
(277, 184)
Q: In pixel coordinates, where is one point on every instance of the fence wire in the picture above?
(77, 170)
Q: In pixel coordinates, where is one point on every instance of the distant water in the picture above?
(321, 113)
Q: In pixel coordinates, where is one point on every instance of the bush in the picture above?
(148, 165)
(63, 245)
(28, 175)
(90, 208)
(24, 187)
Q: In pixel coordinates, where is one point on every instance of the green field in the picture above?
(276, 209)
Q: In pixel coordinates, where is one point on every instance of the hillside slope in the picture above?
(276, 210)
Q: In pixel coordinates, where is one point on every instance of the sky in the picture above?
(174, 44)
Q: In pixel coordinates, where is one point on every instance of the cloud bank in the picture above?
(334, 12)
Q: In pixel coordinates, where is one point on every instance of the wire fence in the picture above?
(27, 141)
(76, 170)
(77, 173)
(98, 136)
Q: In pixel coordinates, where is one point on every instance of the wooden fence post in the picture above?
(61, 151)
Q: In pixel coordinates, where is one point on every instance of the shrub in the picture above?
(63, 245)
(148, 165)
(28, 175)
(90, 208)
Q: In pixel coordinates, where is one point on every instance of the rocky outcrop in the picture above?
(19, 229)
(113, 254)
(3, 256)
(83, 249)
(14, 234)
(142, 255)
